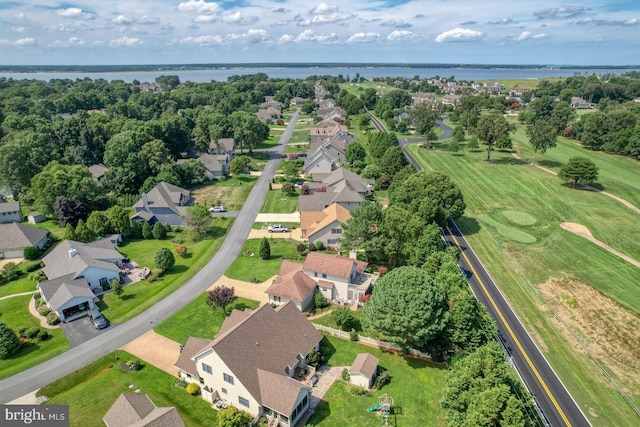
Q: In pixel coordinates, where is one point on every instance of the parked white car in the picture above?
(217, 209)
(278, 228)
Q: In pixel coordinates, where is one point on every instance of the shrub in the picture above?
(319, 245)
(353, 335)
(315, 359)
(164, 259)
(345, 374)
(383, 379)
(37, 276)
(193, 389)
(31, 252)
(181, 250)
(181, 384)
(52, 319)
(32, 332)
(357, 390)
(36, 296)
(134, 365)
(9, 342)
(382, 270)
(41, 301)
(44, 335)
(301, 248)
(364, 297)
(320, 301)
(30, 267)
(117, 287)
(43, 310)
(343, 317)
(10, 271)
(159, 231)
(265, 249)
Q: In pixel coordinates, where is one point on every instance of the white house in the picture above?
(363, 370)
(68, 297)
(10, 212)
(16, 237)
(325, 226)
(291, 284)
(255, 362)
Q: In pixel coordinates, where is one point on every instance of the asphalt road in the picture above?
(117, 336)
(553, 399)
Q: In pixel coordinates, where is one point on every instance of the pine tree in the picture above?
(265, 249)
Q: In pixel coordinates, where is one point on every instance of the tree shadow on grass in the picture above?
(507, 161)
(327, 349)
(468, 225)
(549, 163)
(127, 297)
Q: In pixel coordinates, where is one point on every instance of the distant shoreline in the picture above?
(241, 66)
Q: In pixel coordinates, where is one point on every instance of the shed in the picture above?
(363, 370)
(36, 217)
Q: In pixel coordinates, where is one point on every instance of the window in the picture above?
(324, 289)
(206, 368)
(331, 241)
(336, 231)
(315, 274)
(276, 298)
(104, 281)
(224, 390)
(228, 378)
(243, 401)
(324, 276)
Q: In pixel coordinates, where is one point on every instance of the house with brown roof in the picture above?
(450, 99)
(254, 362)
(16, 237)
(363, 370)
(10, 212)
(268, 115)
(339, 278)
(326, 128)
(325, 226)
(291, 284)
(137, 410)
(165, 202)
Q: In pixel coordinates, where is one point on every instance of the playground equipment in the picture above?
(384, 406)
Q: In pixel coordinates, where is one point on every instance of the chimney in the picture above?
(145, 202)
(353, 254)
(72, 252)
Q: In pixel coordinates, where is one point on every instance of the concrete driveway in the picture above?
(81, 330)
(155, 350)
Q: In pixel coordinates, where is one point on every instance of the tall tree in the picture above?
(119, 220)
(424, 116)
(469, 103)
(69, 211)
(579, 170)
(164, 259)
(98, 223)
(199, 218)
(408, 307)
(490, 129)
(9, 342)
(542, 136)
(265, 249)
(362, 230)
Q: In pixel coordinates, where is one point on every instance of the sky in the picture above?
(78, 32)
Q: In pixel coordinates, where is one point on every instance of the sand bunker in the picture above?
(583, 231)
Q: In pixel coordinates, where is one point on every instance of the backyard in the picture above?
(251, 268)
(513, 222)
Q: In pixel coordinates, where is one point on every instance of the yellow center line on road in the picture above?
(511, 333)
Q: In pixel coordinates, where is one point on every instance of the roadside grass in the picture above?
(611, 167)
(416, 388)
(15, 313)
(92, 390)
(232, 192)
(271, 141)
(276, 201)
(508, 184)
(197, 319)
(139, 296)
(249, 267)
(23, 284)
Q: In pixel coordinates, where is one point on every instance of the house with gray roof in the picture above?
(138, 410)
(165, 202)
(223, 146)
(16, 237)
(98, 171)
(341, 186)
(68, 297)
(363, 370)
(254, 362)
(10, 212)
(215, 165)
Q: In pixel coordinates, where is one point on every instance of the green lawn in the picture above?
(504, 197)
(23, 284)
(92, 390)
(15, 313)
(232, 192)
(416, 387)
(197, 319)
(251, 268)
(278, 202)
(52, 226)
(139, 296)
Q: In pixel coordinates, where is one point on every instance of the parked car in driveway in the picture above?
(277, 228)
(97, 319)
(217, 209)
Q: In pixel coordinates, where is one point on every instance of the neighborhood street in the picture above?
(117, 336)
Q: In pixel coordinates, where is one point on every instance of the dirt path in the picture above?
(583, 231)
(588, 187)
(156, 350)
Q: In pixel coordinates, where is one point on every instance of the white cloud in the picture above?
(27, 41)
(324, 14)
(310, 36)
(540, 36)
(203, 40)
(126, 41)
(286, 38)
(330, 38)
(363, 38)
(122, 20)
(324, 9)
(19, 16)
(75, 41)
(200, 6)
(400, 35)
(205, 19)
(76, 13)
(148, 20)
(523, 35)
(459, 34)
(397, 23)
(236, 18)
(19, 29)
(251, 36)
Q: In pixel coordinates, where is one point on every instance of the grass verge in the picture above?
(278, 202)
(251, 268)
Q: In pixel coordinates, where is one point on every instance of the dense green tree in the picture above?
(233, 417)
(248, 130)
(369, 98)
(98, 223)
(469, 104)
(343, 317)
(164, 259)
(362, 230)
(159, 231)
(473, 143)
(69, 232)
(380, 142)
(9, 342)
(454, 146)
(458, 134)
(119, 220)
(408, 307)
(157, 155)
(355, 153)
(392, 161)
(542, 136)
(490, 129)
(429, 242)
(579, 170)
(117, 288)
(199, 219)
(147, 231)
(400, 231)
(265, 249)
(423, 117)
(83, 234)
(192, 172)
(239, 165)
(10, 271)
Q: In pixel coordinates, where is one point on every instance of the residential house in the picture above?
(419, 98)
(223, 146)
(36, 217)
(215, 165)
(297, 100)
(77, 272)
(16, 237)
(338, 142)
(268, 115)
(255, 362)
(579, 103)
(363, 370)
(517, 92)
(270, 102)
(339, 278)
(450, 99)
(326, 128)
(10, 212)
(325, 226)
(340, 186)
(322, 160)
(337, 114)
(98, 171)
(165, 202)
(291, 284)
(138, 410)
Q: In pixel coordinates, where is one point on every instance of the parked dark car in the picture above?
(97, 319)
(302, 154)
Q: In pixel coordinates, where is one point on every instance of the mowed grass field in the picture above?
(513, 223)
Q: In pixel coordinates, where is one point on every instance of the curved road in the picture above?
(557, 406)
(89, 351)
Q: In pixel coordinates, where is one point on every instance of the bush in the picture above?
(10, 271)
(265, 249)
(9, 342)
(36, 296)
(41, 301)
(193, 389)
(32, 332)
(343, 317)
(181, 384)
(30, 267)
(320, 301)
(44, 335)
(345, 374)
(43, 310)
(319, 245)
(315, 359)
(353, 335)
(134, 365)
(52, 319)
(164, 259)
(31, 252)
(357, 390)
(383, 379)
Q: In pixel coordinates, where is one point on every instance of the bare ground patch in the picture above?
(231, 196)
(610, 332)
